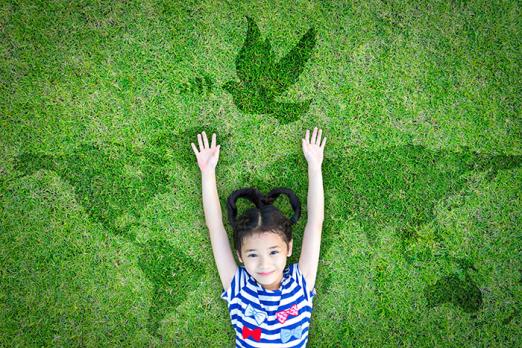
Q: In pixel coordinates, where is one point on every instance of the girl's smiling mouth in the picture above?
(266, 273)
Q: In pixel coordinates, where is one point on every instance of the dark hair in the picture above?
(264, 217)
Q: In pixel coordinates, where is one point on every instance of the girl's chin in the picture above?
(264, 280)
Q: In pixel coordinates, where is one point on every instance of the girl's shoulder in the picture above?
(239, 280)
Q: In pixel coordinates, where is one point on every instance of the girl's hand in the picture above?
(208, 155)
(313, 149)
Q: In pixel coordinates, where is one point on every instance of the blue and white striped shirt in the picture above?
(270, 318)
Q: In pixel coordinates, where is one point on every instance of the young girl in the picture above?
(270, 304)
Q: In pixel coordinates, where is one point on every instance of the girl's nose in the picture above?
(264, 261)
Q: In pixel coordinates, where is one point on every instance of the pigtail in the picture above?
(251, 194)
(294, 201)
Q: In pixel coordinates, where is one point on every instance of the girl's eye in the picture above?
(273, 253)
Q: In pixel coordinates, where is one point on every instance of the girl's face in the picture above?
(264, 257)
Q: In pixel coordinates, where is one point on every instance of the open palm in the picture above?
(207, 156)
(313, 149)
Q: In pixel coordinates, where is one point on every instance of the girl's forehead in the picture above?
(263, 238)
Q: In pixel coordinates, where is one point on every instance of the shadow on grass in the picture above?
(457, 290)
(114, 183)
(397, 186)
(263, 79)
(172, 273)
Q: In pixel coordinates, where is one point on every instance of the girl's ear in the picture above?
(239, 256)
(290, 247)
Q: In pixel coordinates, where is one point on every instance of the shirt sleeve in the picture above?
(299, 277)
(237, 283)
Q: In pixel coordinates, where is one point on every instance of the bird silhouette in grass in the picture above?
(263, 79)
(458, 289)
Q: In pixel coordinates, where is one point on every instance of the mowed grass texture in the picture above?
(102, 233)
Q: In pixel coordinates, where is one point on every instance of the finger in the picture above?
(324, 142)
(200, 142)
(194, 148)
(205, 140)
(213, 140)
(314, 135)
(319, 137)
(307, 137)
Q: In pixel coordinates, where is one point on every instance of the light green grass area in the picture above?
(102, 234)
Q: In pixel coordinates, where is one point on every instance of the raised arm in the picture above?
(309, 259)
(207, 157)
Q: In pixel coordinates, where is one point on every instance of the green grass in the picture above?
(102, 233)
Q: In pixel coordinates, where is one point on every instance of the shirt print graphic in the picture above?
(255, 333)
(287, 334)
(283, 315)
(258, 315)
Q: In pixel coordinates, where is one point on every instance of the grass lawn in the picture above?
(102, 234)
